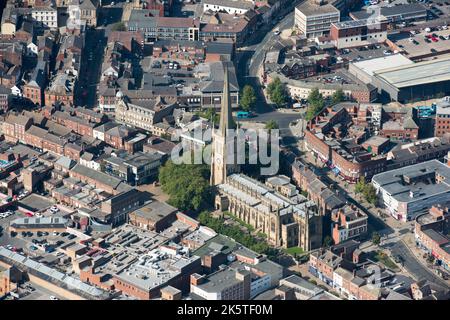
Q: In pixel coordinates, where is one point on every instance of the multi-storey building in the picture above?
(45, 16)
(142, 114)
(348, 223)
(314, 18)
(431, 233)
(230, 6)
(135, 169)
(409, 191)
(336, 141)
(34, 89)
(226, 284)
(358, 33)
(442, 124)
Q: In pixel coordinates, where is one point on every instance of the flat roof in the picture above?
(155, 211)
(312, 9)
(373, 65)
(402, 9)
(416, 74)
(395, 183)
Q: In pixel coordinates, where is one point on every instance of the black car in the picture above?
(24, 234)
(71, 237)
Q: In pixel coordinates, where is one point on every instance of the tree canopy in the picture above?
(367, 190)
(248, 98)
(210, 114)
(316, 104)
(271, 124)
(277, 92)
(338, 96)
(187, 185)
(236, 233)
(376, 238)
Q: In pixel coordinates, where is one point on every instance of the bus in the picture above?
(244, 114)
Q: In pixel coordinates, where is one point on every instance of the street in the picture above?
(249, 62)
(414, 267)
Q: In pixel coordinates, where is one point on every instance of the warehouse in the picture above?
(403, 12)
(364, 70)
(418, 81)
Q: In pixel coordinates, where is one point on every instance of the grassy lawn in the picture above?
(241, 222)
(384, 259)
(294, 250)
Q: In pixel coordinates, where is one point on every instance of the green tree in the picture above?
(327, 241)
(119, 26)
(210, 114)
(248, 98)
(338, 96)
(186, 184)
(367, 190)
(277, 92)
(370, 194)
(316, 104)
(271, 124)
(376, 238)
(360, 185)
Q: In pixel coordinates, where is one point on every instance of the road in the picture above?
(250, 59)
(414, 267)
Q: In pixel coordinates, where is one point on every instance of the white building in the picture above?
(314, 19)
(230, 6)
(46, 16)
(412, 190)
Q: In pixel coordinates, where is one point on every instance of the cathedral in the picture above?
(276, 208)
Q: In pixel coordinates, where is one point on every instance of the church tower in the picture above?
(219, 166)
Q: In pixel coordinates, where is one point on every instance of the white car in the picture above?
(53, 298)
(276, 32)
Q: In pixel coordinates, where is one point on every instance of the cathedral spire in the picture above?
(226, 116)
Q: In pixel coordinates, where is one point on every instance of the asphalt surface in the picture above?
(250, 59)
(414, 267)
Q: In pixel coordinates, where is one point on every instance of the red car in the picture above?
(434, 39)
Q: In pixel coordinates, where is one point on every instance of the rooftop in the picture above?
(372, 65)
(308, 8)
(416, 74)
(157, 267)
(415, 182)
(155, 210)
